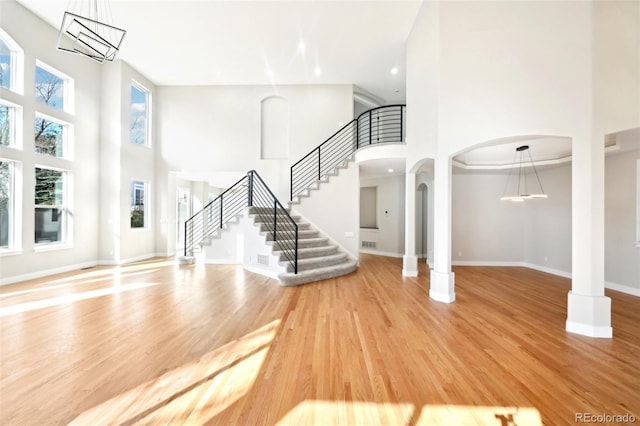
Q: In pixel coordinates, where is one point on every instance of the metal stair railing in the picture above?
(249, 191)
(379, 125)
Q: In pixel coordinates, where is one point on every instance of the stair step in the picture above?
(305, 253)
(289, 278)
(304, 243)
(280, 218)
(303, 234)
(317, 262)
(264, 226)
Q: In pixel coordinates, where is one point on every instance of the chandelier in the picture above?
(88, 31)
(517, 187)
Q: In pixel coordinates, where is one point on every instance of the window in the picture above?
(51, 137)
(7, 124)
(7, 204)
(6, 65)
(11, 60)
(139, 204)
(51, 210)
(140, 115)
(53, 88)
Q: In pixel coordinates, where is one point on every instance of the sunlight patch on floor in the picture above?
(71, 298)
(192, 393)
(372, 413)
(479, 415)
(348, 413)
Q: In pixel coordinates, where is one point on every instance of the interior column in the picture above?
(588, 309)
(442, 278)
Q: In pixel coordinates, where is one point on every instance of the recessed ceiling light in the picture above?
(317, 71)
(301, 46)
(394, 70)
(390, 170)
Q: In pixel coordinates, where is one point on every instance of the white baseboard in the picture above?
(222, 262)
(485, 263)
(551, 271)
(46, 272)
(112, 262)
(382, 253)
(622, 288)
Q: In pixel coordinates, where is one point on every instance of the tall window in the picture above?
(51, 137)
(140, 115)
(7, 201)
(11, 63)
(51, 210)
(53, 88)
(139, 204)
(6, 65)
(7, 124)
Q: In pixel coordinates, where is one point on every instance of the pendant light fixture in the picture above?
(518, 189)
(87, 30)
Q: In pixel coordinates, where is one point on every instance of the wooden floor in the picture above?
(156, 343)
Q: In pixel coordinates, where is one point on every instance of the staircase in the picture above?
(318, 258)
(304, 254)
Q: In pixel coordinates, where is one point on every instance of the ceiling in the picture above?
(214, 42)
(546, 151)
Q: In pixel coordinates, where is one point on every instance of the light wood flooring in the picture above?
(156, 343)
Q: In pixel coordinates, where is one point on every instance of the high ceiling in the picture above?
(213, 42)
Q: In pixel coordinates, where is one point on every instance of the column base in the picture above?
(442, 288)
(409, 266)
(589, 315)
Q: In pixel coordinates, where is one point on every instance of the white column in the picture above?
(410, 260)
(442, 279)
(588, 309)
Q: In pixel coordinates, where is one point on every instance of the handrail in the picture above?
(359, 132)
(249, 191)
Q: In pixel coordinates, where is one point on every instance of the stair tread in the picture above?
(338, 255)
(317, 274)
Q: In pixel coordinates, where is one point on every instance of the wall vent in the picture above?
(263, 259)
(369, 244)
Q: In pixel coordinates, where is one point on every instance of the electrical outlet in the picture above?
(459, 254)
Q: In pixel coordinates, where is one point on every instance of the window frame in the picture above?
(16, 64)
(147, 114)
(15, 124)
(68, 88)
(14, 243)
(67, 137)
(66, 231)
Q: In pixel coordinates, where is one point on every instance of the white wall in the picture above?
(423, 69)
(37, 39)
(120, 162)
(217, 128)
(389, 237)
(485, 229)
(334, 209)
(616, 65)
(548, 236)
(513, 68)
(622, 257)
